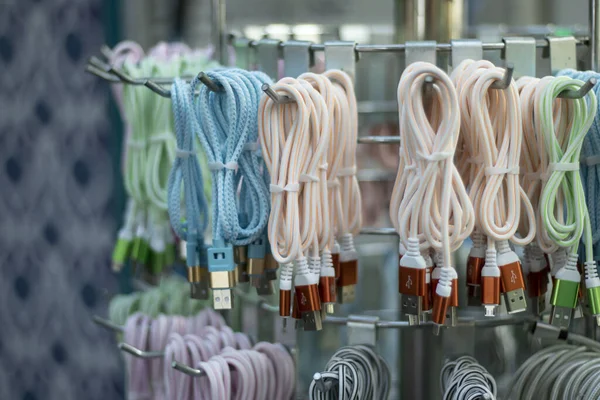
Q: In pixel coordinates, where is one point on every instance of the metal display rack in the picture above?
(520, 55)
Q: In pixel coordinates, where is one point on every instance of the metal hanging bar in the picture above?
(134, 351)
(594, 11)
(105, 323)
(466, 49)
(440, 47)
(579, 93)
(521, 52)
(562, 52)
(378, 139)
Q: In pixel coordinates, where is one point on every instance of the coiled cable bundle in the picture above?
(465, 379)
(562, 371)
(353, 372)
(590, 162)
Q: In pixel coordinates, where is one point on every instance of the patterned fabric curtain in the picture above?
(56, 205)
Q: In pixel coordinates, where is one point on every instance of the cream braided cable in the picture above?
(283, 132)
(435, 210)
(349, 189)
(314, 207)
(321, 141)
(496, 115)
(433, 206)
(468, 160)
(319, 258)
(337, 143)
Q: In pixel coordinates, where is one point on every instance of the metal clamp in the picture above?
(362, 329)
(267, 51)
(562, 52)
(466, 49)
(242, 53)
(421, 51)
(341, 55)
(521, 52)
(297, 58)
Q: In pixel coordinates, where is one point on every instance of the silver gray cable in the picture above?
(353, 372)
(564, 371)
(465, 379)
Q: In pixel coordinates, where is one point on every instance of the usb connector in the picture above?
(412, 307)
(312, 320)
(515, 301)
(561, 316)
(565, 293)
(222, 299)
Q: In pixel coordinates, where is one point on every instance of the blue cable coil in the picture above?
(186, 173)
(228, 132)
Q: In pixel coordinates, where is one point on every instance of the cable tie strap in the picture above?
(163, 137)
(183, 153)
(591, 160)
(290, 187)
(438, 156)
(334, 183)
(349, 171)
(324, 166)
(501, 171)
(251, 146)
(410, 167)
(218, 165)
(308, 178)
(562, 167)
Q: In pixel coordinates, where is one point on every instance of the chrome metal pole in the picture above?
(594, 34)
(219, 30)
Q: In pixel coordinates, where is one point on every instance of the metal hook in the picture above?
(140, 353)
(187, 370)
(277, 99)
(579, 93)
(107, 324)
(106, 51)
(96, 62)
(101, 73)
(506, 79)
(209, 83)
(156, 88)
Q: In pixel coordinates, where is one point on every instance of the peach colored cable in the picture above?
(315, 211)
(349, 189)
(283, 131)
(433, 205)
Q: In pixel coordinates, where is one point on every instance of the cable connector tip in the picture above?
(490, 310)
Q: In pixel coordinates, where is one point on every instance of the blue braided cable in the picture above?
(590, 162)
(228, 123)
(186, 171)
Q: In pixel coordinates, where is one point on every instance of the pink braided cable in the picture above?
(136, 334)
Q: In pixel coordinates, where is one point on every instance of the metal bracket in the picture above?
(421, 51)
(562, 52)
(466, 49)
(242, 53)
(341, 55)
(297, 58)
(521, 52)
(267, 51)
(362, 329)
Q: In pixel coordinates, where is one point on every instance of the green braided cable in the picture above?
(582, 112)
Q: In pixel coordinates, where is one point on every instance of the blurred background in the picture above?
(60, 141)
